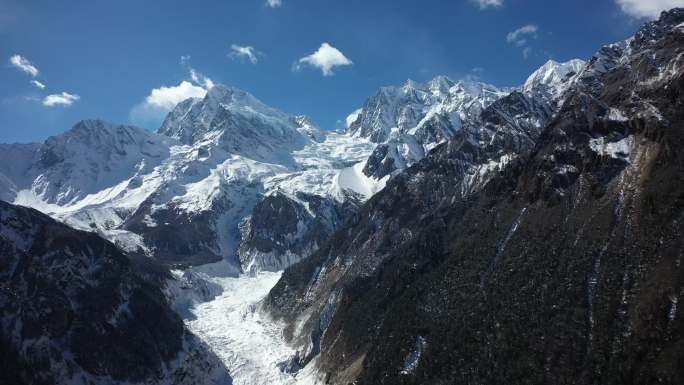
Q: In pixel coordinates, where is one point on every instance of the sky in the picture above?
(131, 61)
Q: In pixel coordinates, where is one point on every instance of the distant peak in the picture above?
(552, 72)
(441, 84)
(412, 84)
(92, 125)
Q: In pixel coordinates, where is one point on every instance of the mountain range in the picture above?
(454, 232)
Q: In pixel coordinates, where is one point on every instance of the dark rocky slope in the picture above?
(565, 268)
(282, 229)
(74, 309)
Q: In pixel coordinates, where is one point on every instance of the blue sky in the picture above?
(103, 59)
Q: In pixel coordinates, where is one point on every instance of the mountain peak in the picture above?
(550, 80)
(221, 109)
(440, 84)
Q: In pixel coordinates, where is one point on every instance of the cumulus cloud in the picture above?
(247, 52)
(484, 4)
(168, 97)
(38, 84)
(326, 58)
(64, 99)
(274, 3)
(24, 64)
(520, 36)
(647, 9)
(152, 110)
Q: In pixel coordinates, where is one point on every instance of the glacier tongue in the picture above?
(248, 342)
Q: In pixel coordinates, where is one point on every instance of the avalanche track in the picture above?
(250, 345)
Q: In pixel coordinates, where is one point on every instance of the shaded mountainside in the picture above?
(565, 268)
(74, 309)
(282, 229)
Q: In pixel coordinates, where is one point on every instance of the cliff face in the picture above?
(564, 268)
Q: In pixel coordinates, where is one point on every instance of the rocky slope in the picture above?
(75, 310)
(564, 268)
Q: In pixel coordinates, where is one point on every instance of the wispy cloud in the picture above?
(325, 58)
(647, 9)
(38, 84)
(64, 99)
(248, 52)
(484, 4)
(274, 3)
(520, 36)
(24, 64)
(200, 79)
(527, 51)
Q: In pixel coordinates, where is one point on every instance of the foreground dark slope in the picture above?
(74, 309)
(564, 269)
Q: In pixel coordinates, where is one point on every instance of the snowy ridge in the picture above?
(553, 79)
(411, 120)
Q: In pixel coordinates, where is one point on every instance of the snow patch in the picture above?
(353, 178)
(616, 150)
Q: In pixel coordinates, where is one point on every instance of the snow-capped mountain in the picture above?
(409, 121)
(553, 79)
(183, 194)
(240, 124)
(91, 157)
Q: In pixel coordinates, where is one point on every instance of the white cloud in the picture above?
(326, 58)
(168, 97)
(38, 84)
(63, 99)
(484, 4)
(520, 36)
(24, 64)
(201, 79)
(184, 59)
(649, 9)
(244, 52)
(274, 3)
(151, 111)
